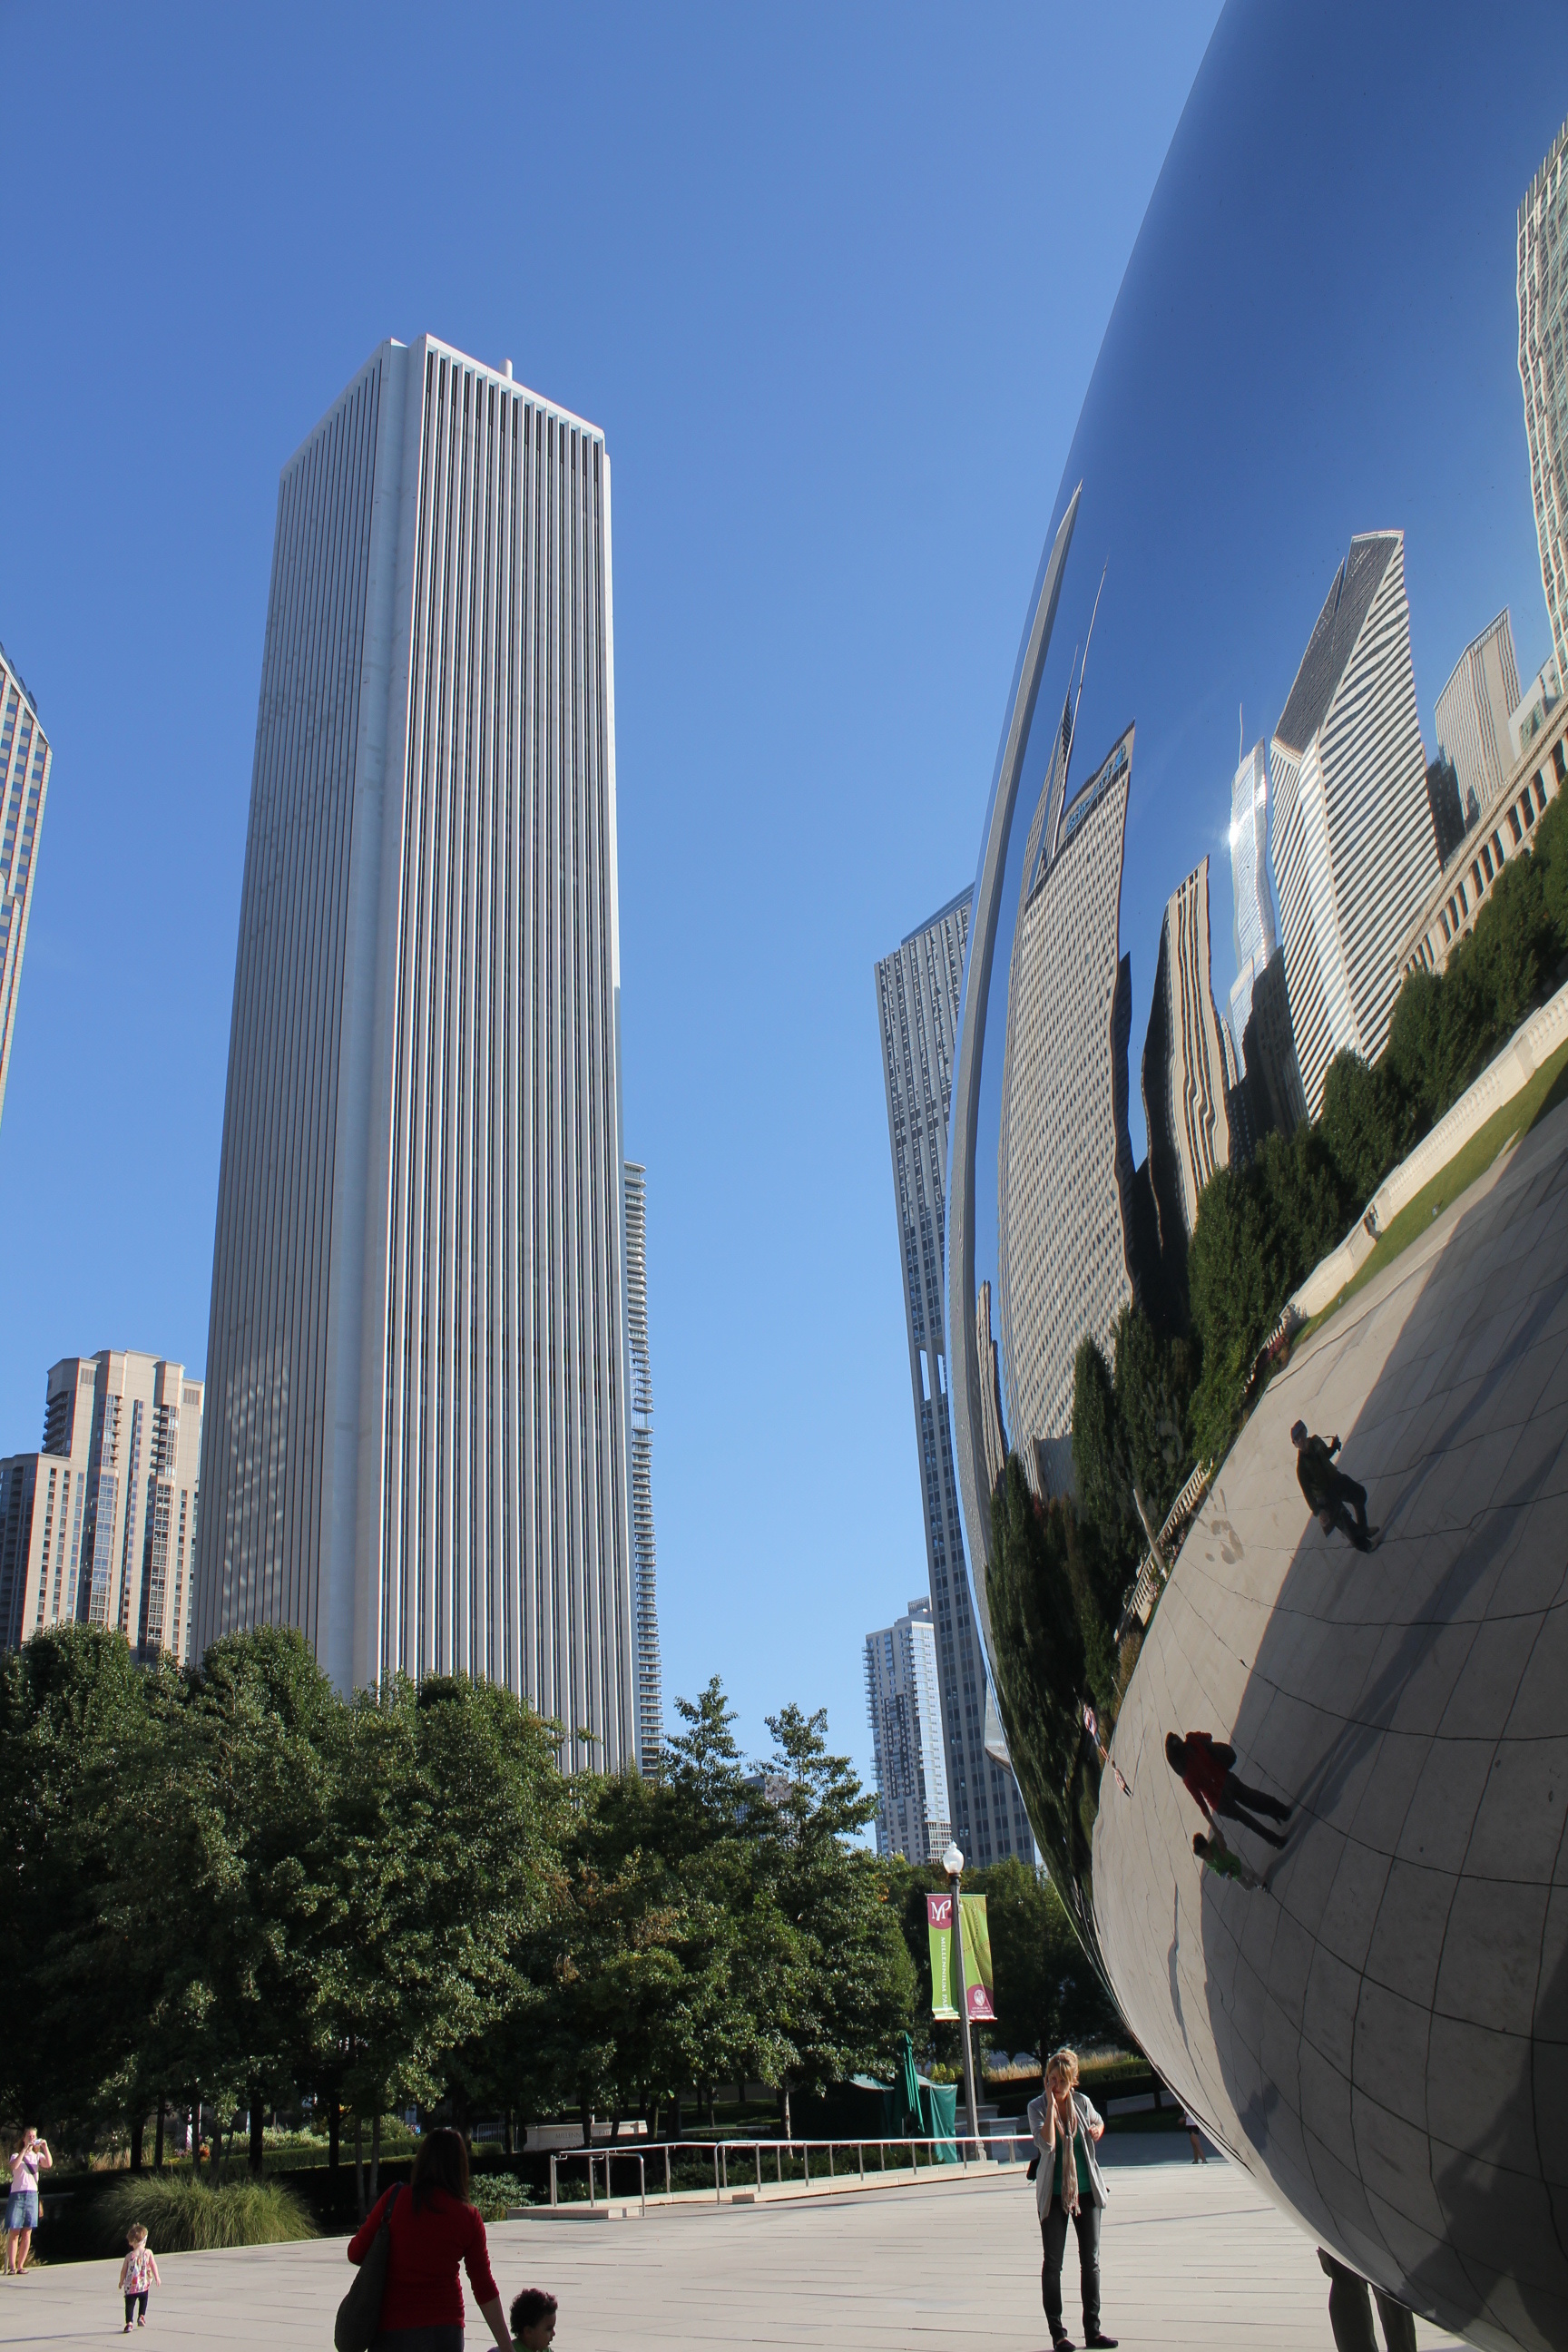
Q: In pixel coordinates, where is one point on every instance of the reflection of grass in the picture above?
(1539, 1096)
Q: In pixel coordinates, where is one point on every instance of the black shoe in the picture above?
(1062, 2344)
(1098, 2342)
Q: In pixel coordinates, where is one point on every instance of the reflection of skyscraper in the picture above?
(993, 1428)
(1188, 1066)
(912, 1814)
(1253, 934)
(920, 993)
(1275, 1098)
(416, 1444)
(25, 759)
(645, 1556)
(1543, 328)
(1353, 852)
(1065, 1169)
(1473, 712)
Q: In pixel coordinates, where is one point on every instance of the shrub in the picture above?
(492, 2192)
(184, 2216)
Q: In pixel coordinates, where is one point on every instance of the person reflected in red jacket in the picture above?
(433, 2231)
(1208, 1773)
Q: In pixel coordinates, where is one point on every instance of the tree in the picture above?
(1046, 1990)
(1237, 1274)
(1153, 1385)
(1102, 1472)
(1356, 1126)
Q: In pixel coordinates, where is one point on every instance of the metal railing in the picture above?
(1008, 2148)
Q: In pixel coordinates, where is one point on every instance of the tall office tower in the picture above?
(1275, 1098)
(645, 1557)
(1253, 934)
(1068, 1243)
(919, 994)
(1542, 330)
(416, 1444)
(912, 1814)
(99, 1527)
(25, 762)
(1189, 1068)
(1473, 712)
(1354, 859)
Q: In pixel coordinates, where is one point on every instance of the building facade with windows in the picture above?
(25, 762)
(1354, 855)
(1505, 830)
(1473, 712)
(99, 1527)
(417, 1439)
(1253, 933)
(913, 1817)
(1544, 377)
(1189, 1066)
(920, 995)
(645, 1554)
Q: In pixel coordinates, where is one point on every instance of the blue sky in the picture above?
(833, 282)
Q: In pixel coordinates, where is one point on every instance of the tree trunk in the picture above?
(615, 2123)
(214, 2169)
(675, 2116)
(585, 2112)
(138, 2127)
(334, 2133)
(158, 2141)
(783, 2095)
(374, 2157)
(359, 2167)
(257, 2145)
(708, 2095)
(506, 2132)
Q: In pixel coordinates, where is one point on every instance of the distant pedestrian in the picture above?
(138, 2273)
(1091, 1726)
(22, 2210)
(1328, 1490)
(1216, 1856)
(1193, 2129)
(1064, 2126)
(1350, 2312)
(433, 2231)
(1207, 1772)
(532, 2319)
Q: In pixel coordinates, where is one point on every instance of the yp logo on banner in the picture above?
(977, 1979)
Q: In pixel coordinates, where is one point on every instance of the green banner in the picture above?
(977, 1978)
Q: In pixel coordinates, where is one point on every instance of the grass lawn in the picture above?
(1541, 1093)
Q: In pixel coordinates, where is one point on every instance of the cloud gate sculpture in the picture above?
(1260, 844)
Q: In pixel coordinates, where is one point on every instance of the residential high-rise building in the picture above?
(1354, 855)
(99, 1527)
(25, 762)
(1473, 712)
(920, 995)
(416, 1444)
(645, 1556)
(1067, 1244)
(912, 1813)
(1189, 1067)
(1253, 934)
(1543, 331)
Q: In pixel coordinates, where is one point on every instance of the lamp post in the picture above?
(952, 1862)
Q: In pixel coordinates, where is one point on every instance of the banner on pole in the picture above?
(978, 1976)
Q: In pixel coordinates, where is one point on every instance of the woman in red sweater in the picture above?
(433, 2228)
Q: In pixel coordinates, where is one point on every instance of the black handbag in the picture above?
(358, 2321)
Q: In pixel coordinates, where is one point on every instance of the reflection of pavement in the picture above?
(1383, 2031)
(1194, 2259)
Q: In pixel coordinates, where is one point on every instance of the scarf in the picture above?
(1068, 2134)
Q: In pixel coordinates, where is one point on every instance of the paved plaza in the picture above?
(1193, 2256)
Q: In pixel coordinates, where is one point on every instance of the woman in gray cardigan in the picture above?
(1064, 2126)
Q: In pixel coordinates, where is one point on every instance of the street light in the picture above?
(952, 1862)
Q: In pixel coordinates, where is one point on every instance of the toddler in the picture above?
(532, 2319)
(137, 2272)
(1213, 1852)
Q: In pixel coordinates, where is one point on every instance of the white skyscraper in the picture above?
(1473, 712)
(912, 1813)
(1253, 933)
(644, 1555)
(25, 760)
(1542, 327)
(1354, 857)
(920, 992)
(416, 1440)
(99, 1527)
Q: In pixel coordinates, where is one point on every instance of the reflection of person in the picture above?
(1193, 2129)
(22, 2212)
(1064, 2126)
(1091, 1725)
(532, 2319)
(433, 2230)
(138, 2274)
(1207, 1774)
(1350, 2313)
(1328, 1490)
(1216, 1856)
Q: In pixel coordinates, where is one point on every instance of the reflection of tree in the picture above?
(1052, 1606)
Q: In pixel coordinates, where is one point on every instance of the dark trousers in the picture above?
(1236, 1796)
(131, 2303)
(1053, 2238)
(1335, 1514)
(1350, 2313)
